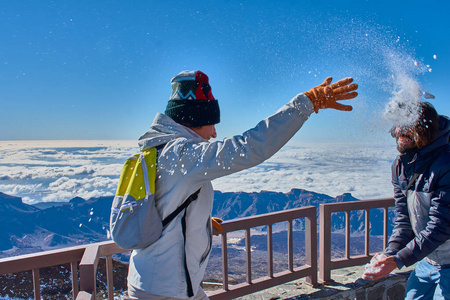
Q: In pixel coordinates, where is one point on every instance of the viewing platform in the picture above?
(312, 272)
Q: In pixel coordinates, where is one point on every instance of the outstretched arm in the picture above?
(208, 161)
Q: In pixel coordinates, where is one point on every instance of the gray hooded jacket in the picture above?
(189, 162)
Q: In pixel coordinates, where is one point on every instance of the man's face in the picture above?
(404, 137)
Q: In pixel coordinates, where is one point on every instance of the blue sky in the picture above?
(102, 69)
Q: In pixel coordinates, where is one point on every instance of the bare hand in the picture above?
(216, 224)
(326, 94)
(386, 265)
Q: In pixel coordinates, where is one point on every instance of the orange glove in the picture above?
(326, 94)
(216, 224)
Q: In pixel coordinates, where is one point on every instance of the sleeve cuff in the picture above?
(406, 257)
(302, 103)
(398, 262)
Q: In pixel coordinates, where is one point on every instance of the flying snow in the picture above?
(406, 91)
(403, 108)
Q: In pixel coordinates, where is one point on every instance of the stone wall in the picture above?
(347, 285)
(390, 288)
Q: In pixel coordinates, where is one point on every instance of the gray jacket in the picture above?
(187, 163)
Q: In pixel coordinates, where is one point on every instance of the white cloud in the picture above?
(61, 170)
(360, 169)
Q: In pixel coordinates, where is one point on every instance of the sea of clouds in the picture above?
(47, 171)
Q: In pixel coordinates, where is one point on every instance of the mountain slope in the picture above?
(30, 229)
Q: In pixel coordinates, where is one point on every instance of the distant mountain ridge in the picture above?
(29, 228)
(241, 204)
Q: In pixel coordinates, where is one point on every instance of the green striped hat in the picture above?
(192, 103)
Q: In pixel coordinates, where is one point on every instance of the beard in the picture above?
(406, 140)
(403, 149)
(406, 143)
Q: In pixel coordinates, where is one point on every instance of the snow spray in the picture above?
(403, 109)
(383, 64)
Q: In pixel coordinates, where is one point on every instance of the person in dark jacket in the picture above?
(421, 180)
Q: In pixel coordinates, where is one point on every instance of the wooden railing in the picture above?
(85, 256)
(326, 264)
(253, 285)
(88, 256)
(37, 261)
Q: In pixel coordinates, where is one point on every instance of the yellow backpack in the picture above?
(134, 221)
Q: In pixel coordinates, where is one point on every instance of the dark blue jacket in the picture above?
(422, 222)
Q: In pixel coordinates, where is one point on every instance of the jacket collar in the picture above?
(163, 130)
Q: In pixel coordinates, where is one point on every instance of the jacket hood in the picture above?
(163, 130)
(442, 138)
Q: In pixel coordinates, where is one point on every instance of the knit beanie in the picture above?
(192, 103)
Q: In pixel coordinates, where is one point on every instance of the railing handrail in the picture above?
(358, 205)
(35, 260)
(264, 219)
(27, 262)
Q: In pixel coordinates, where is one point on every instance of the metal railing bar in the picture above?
(36, 284)
(109, 248)
(385, 227)
(359, 205)
(367, 233)
(311, 251)
(40, 260)
(290, 246)
(325, 243)
(109, 277)
(359, 260)
(347, 234)
(269, 251)
(264, 219)
(88, 268)
(74, 275)
(225, 261)
(248, 248)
